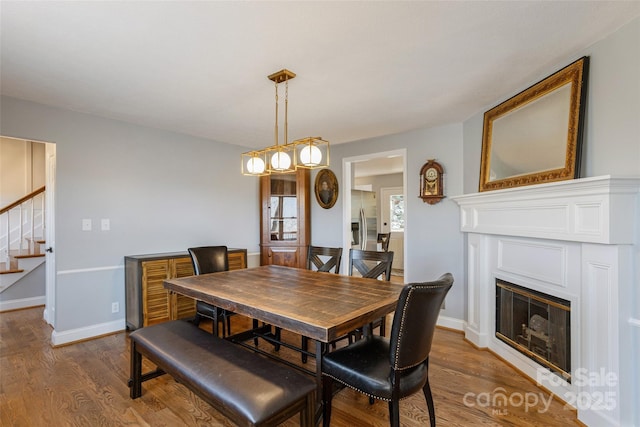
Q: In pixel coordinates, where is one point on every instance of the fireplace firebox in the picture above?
(536, 324)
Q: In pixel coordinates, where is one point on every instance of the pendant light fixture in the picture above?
(285, 157)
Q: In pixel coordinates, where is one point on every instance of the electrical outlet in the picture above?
(115, 307)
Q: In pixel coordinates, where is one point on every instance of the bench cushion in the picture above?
(232, 379)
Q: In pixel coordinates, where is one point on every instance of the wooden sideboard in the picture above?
(147, 301)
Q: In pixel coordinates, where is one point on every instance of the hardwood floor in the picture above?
(85, 384)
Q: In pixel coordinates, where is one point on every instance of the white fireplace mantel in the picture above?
(578, 240)
(580, 210)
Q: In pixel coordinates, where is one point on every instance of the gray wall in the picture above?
(162, 192)
(611, 143)
(611, 146)
(434, 244)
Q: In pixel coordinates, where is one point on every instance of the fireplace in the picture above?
(577, 241)
(536, 324)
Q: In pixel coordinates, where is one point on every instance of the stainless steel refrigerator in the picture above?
(364, 224)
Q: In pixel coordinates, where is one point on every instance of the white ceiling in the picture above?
(364, 69)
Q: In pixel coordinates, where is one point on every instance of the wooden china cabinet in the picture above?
(285, 228)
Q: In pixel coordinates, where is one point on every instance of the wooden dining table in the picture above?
(320, 306)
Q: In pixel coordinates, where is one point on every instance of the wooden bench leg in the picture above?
(135, 382)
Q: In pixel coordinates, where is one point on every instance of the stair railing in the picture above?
(19, 207)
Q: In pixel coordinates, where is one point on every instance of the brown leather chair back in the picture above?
(209, 259)
(414, 322)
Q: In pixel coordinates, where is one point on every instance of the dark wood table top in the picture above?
(321, 306)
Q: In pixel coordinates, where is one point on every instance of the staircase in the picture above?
(22, 241)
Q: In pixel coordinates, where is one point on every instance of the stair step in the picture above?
(27, 256)
(14, 270)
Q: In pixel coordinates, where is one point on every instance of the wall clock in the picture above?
(431, 182)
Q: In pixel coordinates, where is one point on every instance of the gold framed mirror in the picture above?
(536, 136)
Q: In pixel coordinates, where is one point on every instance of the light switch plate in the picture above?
(105, 224)
(86, 225)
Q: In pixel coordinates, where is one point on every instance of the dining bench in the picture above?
(244, 386)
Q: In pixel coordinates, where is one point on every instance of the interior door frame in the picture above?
(347, 185)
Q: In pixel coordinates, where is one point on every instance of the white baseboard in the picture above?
(93, 331)
(22, 303)
(451, 323)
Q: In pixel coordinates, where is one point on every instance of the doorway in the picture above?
(372, 173)
(33, 166)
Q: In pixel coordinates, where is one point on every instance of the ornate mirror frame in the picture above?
(536, 136)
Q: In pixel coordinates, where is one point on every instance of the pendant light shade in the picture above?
(310, 156)
(281, 158)
(280, 161)
(312, 152)
(254, 163)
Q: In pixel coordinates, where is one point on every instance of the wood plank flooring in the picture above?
(85, 384)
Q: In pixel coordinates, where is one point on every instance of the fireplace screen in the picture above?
(536, 324)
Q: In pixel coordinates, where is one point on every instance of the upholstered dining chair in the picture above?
(211, 259)
(373, 265)
(384, 238)
(395, 368)
(321, 259)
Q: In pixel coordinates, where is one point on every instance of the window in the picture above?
(396, 209)
(284, 221)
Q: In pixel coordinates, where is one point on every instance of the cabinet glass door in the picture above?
(283, 218)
